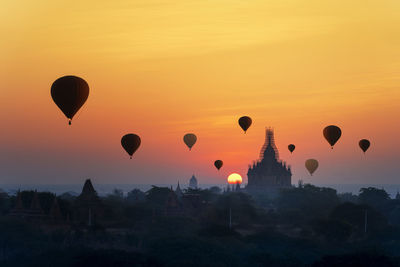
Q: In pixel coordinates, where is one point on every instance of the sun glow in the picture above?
(234, 178)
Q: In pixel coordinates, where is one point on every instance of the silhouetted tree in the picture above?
(135, 195)
(333, 229)
(348, 197)
(354, 215)
(306, 202)
(157, 196)
(373, 197)
(215, 189)
(5, 202)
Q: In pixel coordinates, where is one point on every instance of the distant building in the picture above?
(187, 204)
(193, 182)
(88, 206)
(268, 174)
(232, 188)
(237, 189)
(35, 212)
(178, 192)
(173, 206)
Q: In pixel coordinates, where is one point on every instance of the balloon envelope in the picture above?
(332, 134)
(190, 139)
(130, 142)
(311, 165)
(70, 93)
(291, 148)
(245, 123)
(218, 164)
(364, 144)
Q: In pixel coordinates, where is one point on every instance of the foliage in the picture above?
(356, 216)
(306, 203)
(373, 196)
(135, 195)
(297, 229)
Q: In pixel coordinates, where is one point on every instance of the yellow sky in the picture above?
(164, 68)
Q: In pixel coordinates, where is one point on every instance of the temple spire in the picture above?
(269, 150)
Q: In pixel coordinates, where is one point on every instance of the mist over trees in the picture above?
(303, 226)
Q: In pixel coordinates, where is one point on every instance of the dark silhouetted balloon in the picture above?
(218, 164)
(245, 123)
(291, 148)
(190, 139)
(311, 165)
(130, 142)
(332, 134)
(364, 144)
(70, 93)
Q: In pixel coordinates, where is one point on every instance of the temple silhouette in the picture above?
(193, 182)
(269, 174)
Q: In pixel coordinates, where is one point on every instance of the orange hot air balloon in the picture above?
(70, 93)
(364, 144)
(291, 148)
(245, 123)
(332, 134)
(311, 165)
(190, 139)
(218, 164)
(130, 142)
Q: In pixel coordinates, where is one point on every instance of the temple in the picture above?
(268, 174)
(88, 206)
(193, 182)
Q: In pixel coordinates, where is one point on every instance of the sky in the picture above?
(161, 69)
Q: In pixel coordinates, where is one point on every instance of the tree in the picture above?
(348, 197)
(333, 229)
(307, 202)
(215, 189)
(354, 215)
(5, 203)
(135, 195)
(157, 196)
(373, 196)
(239, 204)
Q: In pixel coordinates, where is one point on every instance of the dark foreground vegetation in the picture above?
(303, 226)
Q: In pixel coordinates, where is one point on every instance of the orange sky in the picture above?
(161, 69)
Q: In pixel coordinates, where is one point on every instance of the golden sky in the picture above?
(161, 69)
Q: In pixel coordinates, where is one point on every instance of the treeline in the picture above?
(303, 226)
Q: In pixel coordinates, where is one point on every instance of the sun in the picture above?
(234, 178)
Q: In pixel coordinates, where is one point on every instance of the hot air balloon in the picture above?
(190, 139)
(218, 164)
(245, 123)
(332, 134)
(311, 165)
(70, 93)
(130, 142)
(291, 148)
(364, 144)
